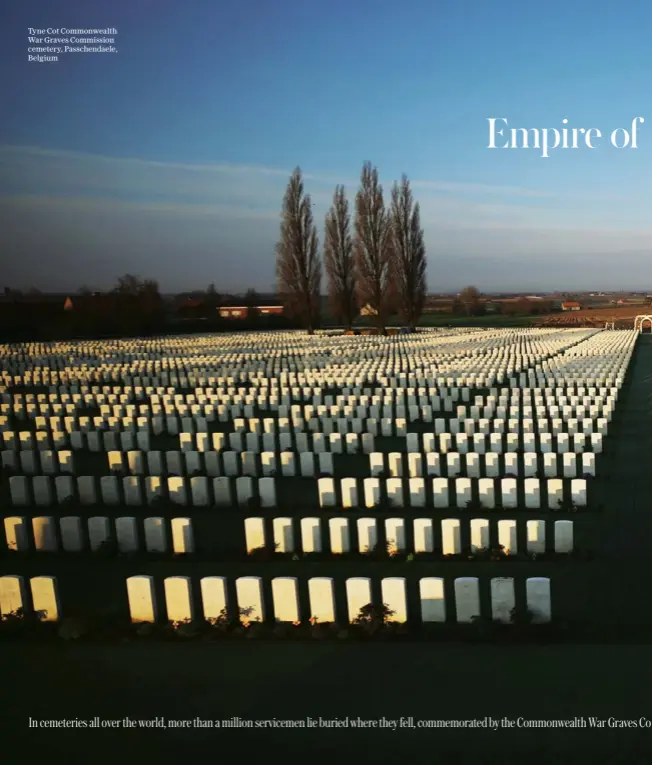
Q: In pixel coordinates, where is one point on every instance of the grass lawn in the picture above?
(263, 681)
(488, 320)
(255, 680)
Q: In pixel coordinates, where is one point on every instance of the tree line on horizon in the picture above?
(377, 263)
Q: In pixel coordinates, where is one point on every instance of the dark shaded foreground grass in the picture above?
(263, 681)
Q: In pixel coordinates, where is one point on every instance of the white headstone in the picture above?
(358, 595)
(45, 598)
(503, 599)
(433, 603)
(285, 594)
(155, 536)
(142, 598)
(538, 598)
(467, 598)
(178, 598)
(322, 599)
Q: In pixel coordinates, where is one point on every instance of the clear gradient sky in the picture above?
(169, 159)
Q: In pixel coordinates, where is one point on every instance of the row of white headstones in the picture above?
(136, 491)
(546, 361)
(285, 606)
(231, 465)
(68, 535)
(322, 361)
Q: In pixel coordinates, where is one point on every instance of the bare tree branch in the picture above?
(298, 268)
(338, 260)
(409, 253)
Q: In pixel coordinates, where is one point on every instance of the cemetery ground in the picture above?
(263, 681)
(599, 595)
(488, 320)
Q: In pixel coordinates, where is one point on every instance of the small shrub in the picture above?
(187, 629)
(264, 552)
(521, 616)
(225, 622)
(254, 629)
(372, 618)
(13, 622)
(497, 553)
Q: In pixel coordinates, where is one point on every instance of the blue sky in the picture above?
(169, 159)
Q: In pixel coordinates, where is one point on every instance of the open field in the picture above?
(488, 320)
(623, 316)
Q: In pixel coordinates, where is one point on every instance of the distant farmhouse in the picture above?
(242, 311)
(571, 305)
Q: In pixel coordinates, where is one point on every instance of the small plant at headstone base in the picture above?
(188, 629)
(474, 506)
(521, 617)
(372, 618)
(254, 629)
(262, 553)
(498, 553)
(226, 623)
(317, 631)
(19, 625)
(393, 551)
(566, 505)
(380, 551)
